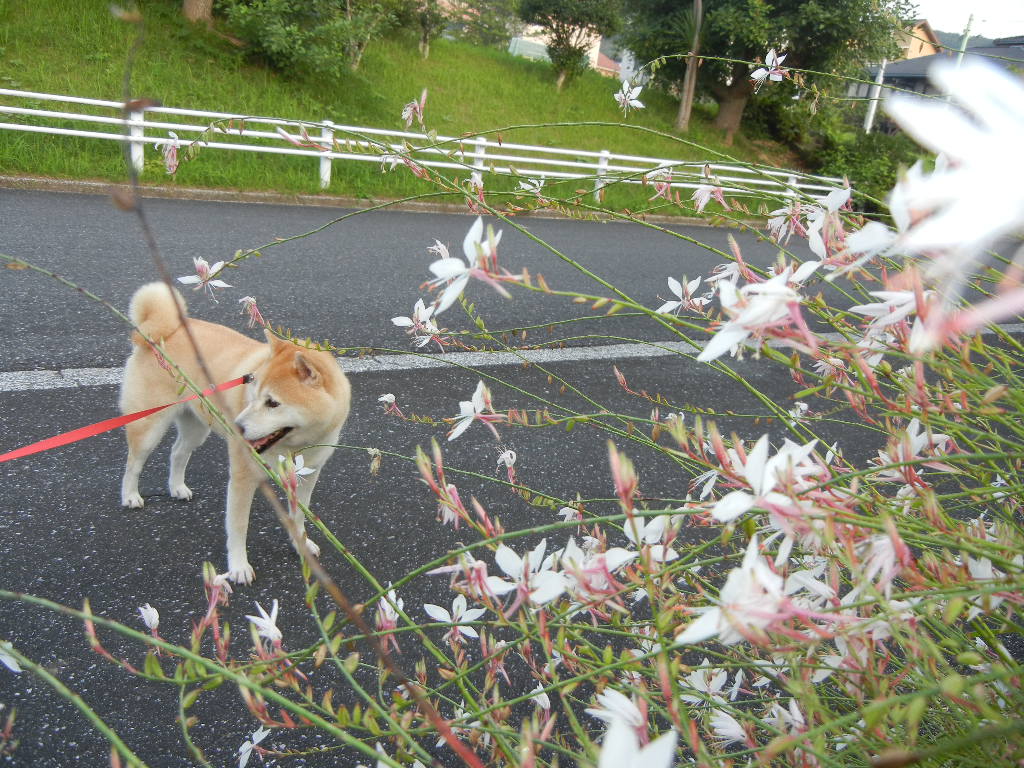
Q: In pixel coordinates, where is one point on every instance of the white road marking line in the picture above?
(69, 378)
(16, 381)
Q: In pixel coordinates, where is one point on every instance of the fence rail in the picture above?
(336, 142)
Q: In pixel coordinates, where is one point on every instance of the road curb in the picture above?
(94, 187)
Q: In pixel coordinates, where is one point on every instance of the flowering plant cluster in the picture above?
(806, 603)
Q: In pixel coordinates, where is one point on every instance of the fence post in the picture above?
(602, 169)
(791, 190)
(327, 140)
(480, 152)
(137, 147)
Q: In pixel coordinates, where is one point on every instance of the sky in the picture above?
(992, 18)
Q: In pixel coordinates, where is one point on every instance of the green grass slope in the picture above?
(76, 47)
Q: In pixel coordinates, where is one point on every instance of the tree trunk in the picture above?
(425, 43)
(198, 10)
(690, 77)
(732, 100)
(562, 75)
(686, 97)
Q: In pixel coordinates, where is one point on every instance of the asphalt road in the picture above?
(64, 536)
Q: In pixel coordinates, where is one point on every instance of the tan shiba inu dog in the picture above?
(297, 397)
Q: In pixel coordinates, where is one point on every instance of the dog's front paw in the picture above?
(132, 500)
(313, 548)
(181, 492)
(241, 573)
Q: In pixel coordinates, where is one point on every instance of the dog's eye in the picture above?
(272, 403)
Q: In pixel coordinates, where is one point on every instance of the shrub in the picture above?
(313, 36)
(872, 161)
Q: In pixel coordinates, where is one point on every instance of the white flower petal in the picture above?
(437, 613)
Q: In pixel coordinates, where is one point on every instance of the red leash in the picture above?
(105, 426)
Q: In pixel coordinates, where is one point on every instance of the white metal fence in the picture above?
(329, 142)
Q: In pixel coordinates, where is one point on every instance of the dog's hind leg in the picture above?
(192, 431)
(143, 436)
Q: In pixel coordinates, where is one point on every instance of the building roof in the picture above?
(925, 27)
(1004, 52)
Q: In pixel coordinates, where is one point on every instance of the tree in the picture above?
(430, 20)
(571, 26)
(198, 10)
(657, 27)
(491, 23)
(834, 38)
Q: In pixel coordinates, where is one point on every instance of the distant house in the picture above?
(533, 44)
(912, 74)
(918, 40)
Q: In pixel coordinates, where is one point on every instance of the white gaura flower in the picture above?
(150, 616)
(205, 276)
(470, 410)
(727, 728)
(621, 749)
(616, 706)
(419, 324)
(453, 273)
(294, 464)
(589, 573)
(7, 658)
(245, 751)
(460, 613)
(783, 223)
(650, 532)
(507, 458)
(570, 513)
(893, 308)
(975, 197)
(533, 186)
(532, 577)
(749, 601)
(772, 70)
(540, 698)
(627, 97)
(249, 307)
(169, 149)
(420, 315)
(414, 110)
(763, 475)
(824, 225)
(685, 298)
(705, 481)
(705, 681)
(752, 309)
(702, 196)
(388, 609)
(266, 624)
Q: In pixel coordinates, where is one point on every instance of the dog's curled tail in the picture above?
(153, 311)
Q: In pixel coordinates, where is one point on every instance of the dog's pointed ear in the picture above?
(308, 374)
(272, 340)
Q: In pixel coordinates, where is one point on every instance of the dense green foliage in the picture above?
(318, 36)
(830, 38)
(873, 160)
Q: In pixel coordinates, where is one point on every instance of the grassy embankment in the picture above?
(470, 89)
